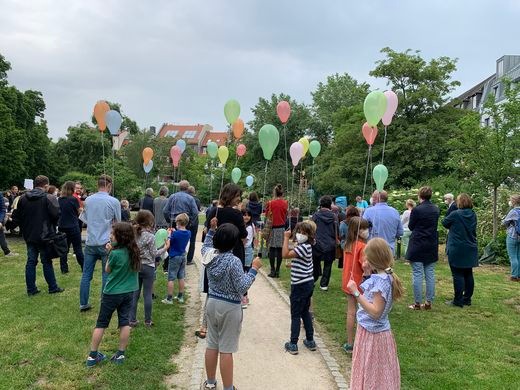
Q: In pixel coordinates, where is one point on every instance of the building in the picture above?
(196, 136)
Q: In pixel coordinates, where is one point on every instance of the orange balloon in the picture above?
(100, 110)
(238, 128)
(147, 155)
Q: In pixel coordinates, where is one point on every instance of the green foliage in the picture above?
(89, 182)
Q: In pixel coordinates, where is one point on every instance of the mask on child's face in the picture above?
(301, 238)
(363, 233)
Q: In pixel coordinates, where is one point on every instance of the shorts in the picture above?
(176, 267)
(112, 302)
(224, 325)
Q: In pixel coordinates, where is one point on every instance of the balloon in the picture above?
(305, 142)
(181, 144)
(100, 109)
(160, 237)
(314, 148)
(212, 149)
(250, 180)
(113, 121)
(232, 111)
(238, 128)
(296, 152)
(175, 154)
(223, 154)
(236, 174)
(374, 107)
(148, 167)
(268, 138)
(391, 107)
(380, 174)
(283, 109)
(370, 133)
(147, 154)
(241, 150)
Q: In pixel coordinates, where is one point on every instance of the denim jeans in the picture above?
(92, 254)
(146, 278)
(418, 269)
(74, 238)
(513, 250)
(30, 268)
(463, 285)
(300, 302)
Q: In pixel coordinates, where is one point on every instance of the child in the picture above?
(146, 243)
(122, 267)
(248, 248)
(125, 211)
(302, 284)
(227, 285)
(177, 261)
(374, 362)
(355, 242)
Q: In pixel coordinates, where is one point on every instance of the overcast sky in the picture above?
(179, 61)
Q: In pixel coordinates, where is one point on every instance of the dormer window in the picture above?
(500, 68)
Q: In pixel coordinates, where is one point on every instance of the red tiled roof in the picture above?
(192, 134)
(219, 138)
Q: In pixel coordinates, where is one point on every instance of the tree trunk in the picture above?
(495, 195)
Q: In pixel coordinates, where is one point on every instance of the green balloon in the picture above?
(380, 174)
(212, 149)
(268, 138)
(374, 107)
(314, 148)
(160, 237)
(236, 174)
(232, 111)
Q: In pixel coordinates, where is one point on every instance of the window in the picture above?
(171, 133)
(500, 68)
(474, 101)
(495, 91)
(486, 122)
(189, 134)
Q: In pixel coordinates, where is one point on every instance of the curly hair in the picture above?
(125, 238)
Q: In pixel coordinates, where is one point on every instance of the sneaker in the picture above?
(452, 303)
(91, 362)
(11, 254)
(244, 302)
(291, 348)
(133, 324)
(167, 301)
(148, 323)
(310, 344)
(33, 293)
(207, 385)
(347, 348)
(86, 307)
(58, 290)
(118, 359)
(324, 288)
(154, 296)
(180, 299)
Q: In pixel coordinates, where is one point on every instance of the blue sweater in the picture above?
(178, 241)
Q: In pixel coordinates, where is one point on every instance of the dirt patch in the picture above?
(514, 302)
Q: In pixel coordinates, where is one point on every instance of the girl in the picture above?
(144, 224)
(122, 267)
(355, 242)
(248, 248)
(374, 363)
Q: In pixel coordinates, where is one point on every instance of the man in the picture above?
(158, 206)
(194, 227)
(450, 202)
(147, 202)
(384, 220)
(100, 211)
(37, 213)
(361, 204)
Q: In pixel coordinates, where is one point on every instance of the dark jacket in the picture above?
(326, 230)
(147, 203)
(125, 215)
(462, 238)
(69, 211)
(255, 208)
(195, 222)
(424, 240)
(233, 216)
(2, 208)
(452, 208)
(37, 214)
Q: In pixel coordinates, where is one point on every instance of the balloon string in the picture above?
(210, 182)
(103, 148)
(299, 188)
(310, 188)
(113, 174)
(292, 190)
(384, 144)
(263, 198)
(286, 161)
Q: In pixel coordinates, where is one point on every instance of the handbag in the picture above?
(57, 245)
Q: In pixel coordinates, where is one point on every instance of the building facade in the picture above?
(196, 136)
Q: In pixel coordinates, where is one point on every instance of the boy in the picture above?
(177, 261)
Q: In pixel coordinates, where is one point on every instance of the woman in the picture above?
(462, 249)
(276, 210)
(511, 221)
(68, 224)
(423, 249)
(405, 219)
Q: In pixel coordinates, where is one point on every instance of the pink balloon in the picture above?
(241, 150)
(175, 153)
(370, 133)
(391, 107)
(283, 109)
(296, 152)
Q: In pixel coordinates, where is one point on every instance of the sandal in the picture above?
(415, 306)
(201, 334)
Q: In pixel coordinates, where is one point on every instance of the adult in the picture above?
(327, 237)
(361, 204)
(384, 220)
(276, 210)
(68, 224)
(254, 206)
(511, 222)
(3, 218)
(213, 206)
(423, 251)
(78, 191)
(13, 194)
(100, 211)
(158, 206)
(449, 200)
(37, 213)
(462, 249)
(146, 203)
(194, 226)
(53, 191)
(405, 218)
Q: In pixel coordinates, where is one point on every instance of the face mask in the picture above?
(301, 238)
(510, 204)
(363, 234)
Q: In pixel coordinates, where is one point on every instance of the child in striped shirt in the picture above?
(302, 284)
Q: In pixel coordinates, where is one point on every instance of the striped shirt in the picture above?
(301, 266)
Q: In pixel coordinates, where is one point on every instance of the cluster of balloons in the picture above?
(176, 152)
(105, 117)
(299, 149)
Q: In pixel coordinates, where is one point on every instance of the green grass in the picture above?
(447, 348)
(45, 339)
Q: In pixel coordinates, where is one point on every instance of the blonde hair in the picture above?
(182, 219)
(125, 204)
(515, 199)
(308, 228)
(380, 257)
(410, 202)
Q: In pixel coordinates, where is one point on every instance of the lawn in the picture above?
(475, 347)
(45, 339)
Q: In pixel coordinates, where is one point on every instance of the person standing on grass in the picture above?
(78, 189)
(227, 285)
(147, 202)
(194, 226)
(100, 211)
(122, 268)
(276, 209)
(37, 213)
(375, 364)
(68, 224)
(511, 222)
(3, 218)
(405, 219)
(158, 206)
(302, 284)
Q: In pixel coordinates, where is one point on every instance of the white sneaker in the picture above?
(12, 254)
(167, 301)
(324, 288)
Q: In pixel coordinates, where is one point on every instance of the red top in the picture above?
(352, 264)
(279, 209)
(78, 197)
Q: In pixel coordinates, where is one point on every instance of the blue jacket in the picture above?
(2, 208)
(178, 203)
